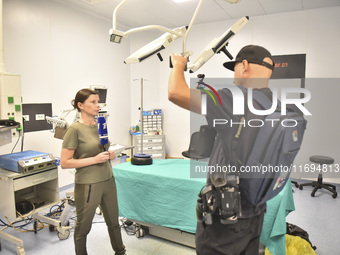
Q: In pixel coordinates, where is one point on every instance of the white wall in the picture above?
(313, 32)
(58, 50)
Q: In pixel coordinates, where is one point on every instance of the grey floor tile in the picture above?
(318, 215)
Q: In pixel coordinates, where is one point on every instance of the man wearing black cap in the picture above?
(252, 68)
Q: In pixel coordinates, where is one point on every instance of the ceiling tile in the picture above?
(277, 6)
(313, 4)
(136, 13)
(212, 11)
(243, 8)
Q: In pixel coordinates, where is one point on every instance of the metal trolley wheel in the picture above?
(140, 232)
(35, 226)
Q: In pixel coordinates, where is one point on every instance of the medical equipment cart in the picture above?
(41, 189)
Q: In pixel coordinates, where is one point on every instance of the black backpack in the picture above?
(265, 171)
(276, 145)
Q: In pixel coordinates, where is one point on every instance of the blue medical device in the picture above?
(26, 161)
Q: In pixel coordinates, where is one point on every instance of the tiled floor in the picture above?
(319, 216)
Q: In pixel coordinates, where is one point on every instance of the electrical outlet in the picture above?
(26, 117)
(40, 117)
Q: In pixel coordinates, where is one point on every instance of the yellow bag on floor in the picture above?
(296, 245)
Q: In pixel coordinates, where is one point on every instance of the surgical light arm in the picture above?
(221, 48)
(163, 41)
(198, 8)
(151, 48)
(155, 47)
(184, 50)
(117, 35)
(218, 44)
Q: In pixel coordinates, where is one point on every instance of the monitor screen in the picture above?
(102, 91)
(102, 95)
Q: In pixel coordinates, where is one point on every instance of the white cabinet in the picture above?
(152, 144)
(39, 188)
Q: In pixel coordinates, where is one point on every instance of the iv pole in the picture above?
(141, 112)
(141, 158)
(141, 116)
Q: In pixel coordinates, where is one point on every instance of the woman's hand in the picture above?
(112, 154)
(67, 160)
(102, 157)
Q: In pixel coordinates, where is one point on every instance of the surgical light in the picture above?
(164, 40)
(154, 47)
(116, 36)
(218, 45)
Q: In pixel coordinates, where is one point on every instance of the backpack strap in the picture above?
(264, 101)
(234, 159)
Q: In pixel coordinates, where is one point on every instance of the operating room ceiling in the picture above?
(168, 13)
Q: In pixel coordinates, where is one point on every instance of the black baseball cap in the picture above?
(253, 54)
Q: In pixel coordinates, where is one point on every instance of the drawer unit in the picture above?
(39, 188)
(152, 144)
(34, 179)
